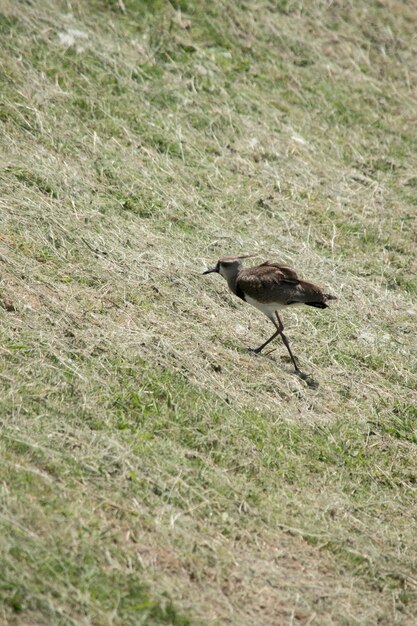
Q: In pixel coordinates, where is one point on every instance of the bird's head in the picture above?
(227, 266)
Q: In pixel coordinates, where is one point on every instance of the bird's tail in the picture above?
(329, 296)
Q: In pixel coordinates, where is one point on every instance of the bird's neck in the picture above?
(230, 274)
(231, 281)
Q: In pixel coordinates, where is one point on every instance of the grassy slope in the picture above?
(152, 471)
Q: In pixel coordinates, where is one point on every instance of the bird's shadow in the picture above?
(311, 382)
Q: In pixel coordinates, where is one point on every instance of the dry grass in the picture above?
(154, 471)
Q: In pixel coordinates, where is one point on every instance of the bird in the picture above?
(270, 287)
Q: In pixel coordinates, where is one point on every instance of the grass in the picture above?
(153, 472)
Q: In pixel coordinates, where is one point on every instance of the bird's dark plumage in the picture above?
(272, 282)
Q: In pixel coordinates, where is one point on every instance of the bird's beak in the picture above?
(213, 269)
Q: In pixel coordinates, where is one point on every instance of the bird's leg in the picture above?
(258, 350)
(280, 328)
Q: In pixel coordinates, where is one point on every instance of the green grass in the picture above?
(153, 472)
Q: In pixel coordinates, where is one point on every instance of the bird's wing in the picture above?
(286, 273)
(269, 282)
(272, 282)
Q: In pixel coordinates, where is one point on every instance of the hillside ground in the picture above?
(152, 470)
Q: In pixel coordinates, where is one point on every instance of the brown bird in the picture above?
(270, 287)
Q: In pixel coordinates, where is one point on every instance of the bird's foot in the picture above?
(259, 351)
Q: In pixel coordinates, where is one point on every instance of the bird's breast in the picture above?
(239, 292)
